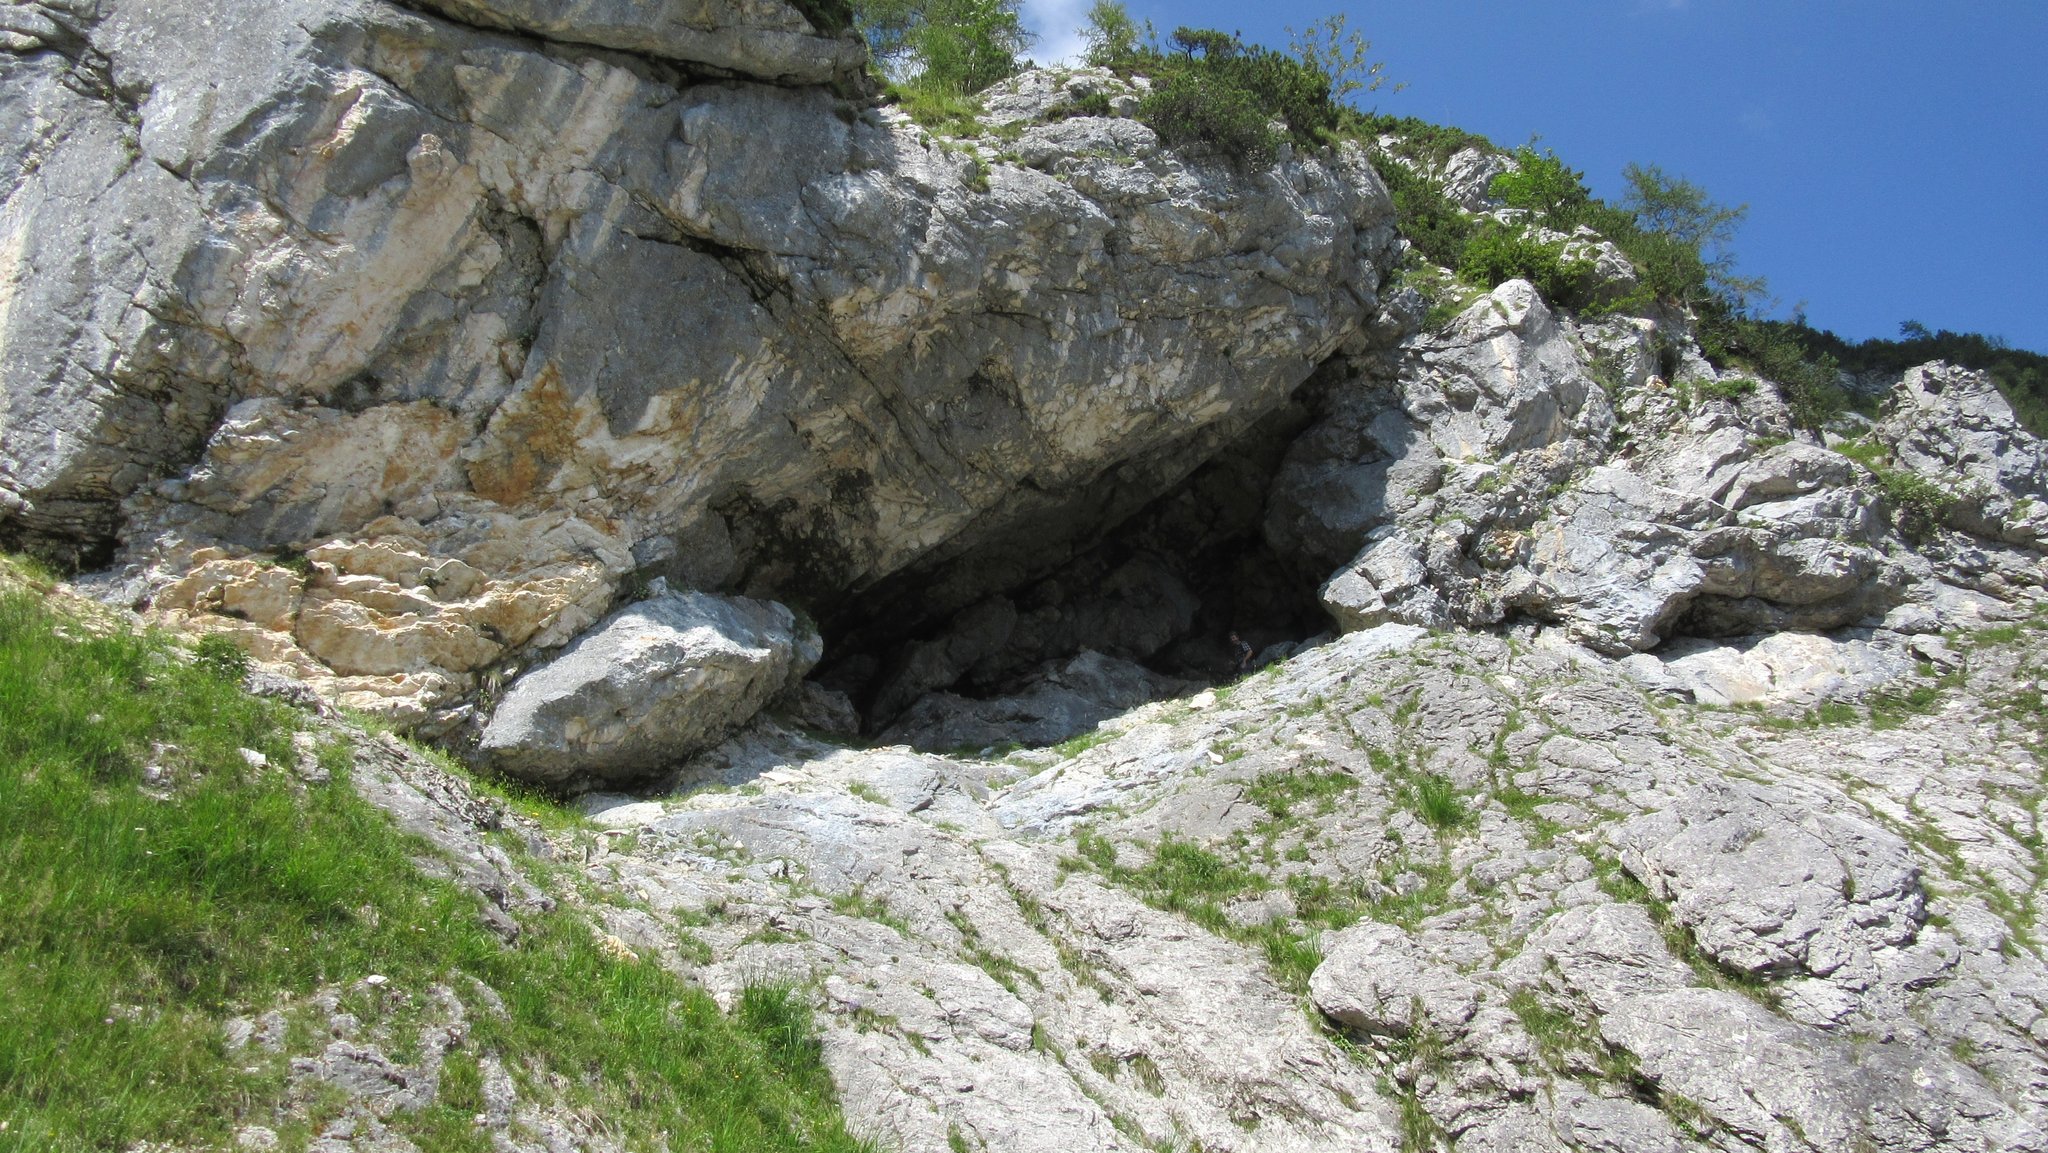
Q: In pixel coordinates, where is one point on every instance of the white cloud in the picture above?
(1057, 25)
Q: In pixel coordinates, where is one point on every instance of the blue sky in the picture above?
(1893, 154)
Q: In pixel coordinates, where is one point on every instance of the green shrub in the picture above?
(220, 656)
(1542, 184)
(1811, 385)
(1219, 93)
(1212, 92)
(1436, 227)
(1089, 104)
(1920, 502)
(1193, 109)
(1419, 140)
(1727, 387)
(1499, 252)
(1445, 295)
(2021, 376)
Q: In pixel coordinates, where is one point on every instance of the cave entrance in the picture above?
(1030, 638)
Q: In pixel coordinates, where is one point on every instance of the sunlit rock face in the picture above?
(556, 307)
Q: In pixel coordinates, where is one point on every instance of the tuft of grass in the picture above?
(778, 1017)
(1148, 1074)
(220, 656)
(1568, 1042)
(132, 925)
(1437, 802)
(1726, 387)
(1522, 805)
(1278, 792)
(1834, 713)
(1075, 746)
(943, 113)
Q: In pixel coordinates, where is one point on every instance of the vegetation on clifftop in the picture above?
(1211, 92)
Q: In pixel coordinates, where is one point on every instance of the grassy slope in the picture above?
(131, 927)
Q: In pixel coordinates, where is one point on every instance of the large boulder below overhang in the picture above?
(650, 685)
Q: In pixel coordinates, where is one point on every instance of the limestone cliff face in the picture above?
(480, 323)
(423, 337)
(495, 364)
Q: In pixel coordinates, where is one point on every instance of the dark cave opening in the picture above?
(1161, 588)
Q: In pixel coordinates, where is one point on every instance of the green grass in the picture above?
(1278, 792)
(1892, 708)
(132, 925)
(941, 112)
(1522, 805)
(1568, 1043)
(1075, 746)
(1437, 802)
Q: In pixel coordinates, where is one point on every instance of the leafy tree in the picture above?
(945, 47)
(1345, 56)
(1680, 210)
(1112, 36)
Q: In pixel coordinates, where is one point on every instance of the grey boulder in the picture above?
(1373, 979)
(650, 685)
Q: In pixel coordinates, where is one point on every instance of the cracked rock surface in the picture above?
(1400, 889)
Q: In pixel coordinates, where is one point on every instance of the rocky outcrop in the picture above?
(371, 360)
(1624, 922)
(427, 349)
(1520, 464)
(1952, 428)
(648, 686)
(547, 311)
(1776, 669)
